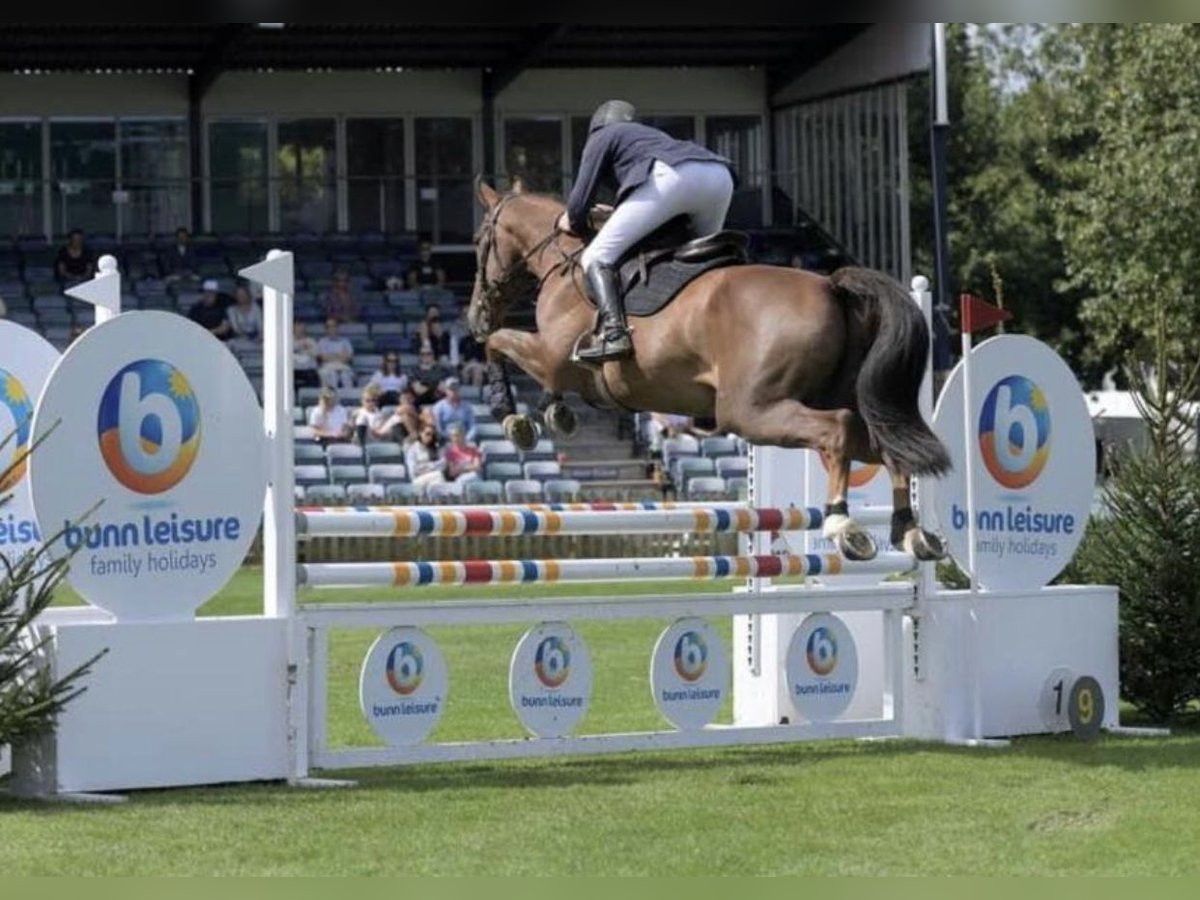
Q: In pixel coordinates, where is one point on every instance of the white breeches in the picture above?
(699, 190)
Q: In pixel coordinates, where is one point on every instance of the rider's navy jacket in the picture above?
(621, 155)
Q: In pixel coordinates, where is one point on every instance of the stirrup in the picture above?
(603, 347)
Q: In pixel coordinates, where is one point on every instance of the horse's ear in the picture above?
(518, 185)
(487, 194)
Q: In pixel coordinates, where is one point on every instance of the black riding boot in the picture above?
(611, 340)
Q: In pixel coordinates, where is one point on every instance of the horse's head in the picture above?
(502, 246)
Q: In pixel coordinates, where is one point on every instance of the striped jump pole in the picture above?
(561, 571)
(403, 521)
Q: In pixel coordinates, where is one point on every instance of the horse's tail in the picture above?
(889, 380)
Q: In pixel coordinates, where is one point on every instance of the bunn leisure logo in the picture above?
(1014, 432)
(16, 415)
(149, 426)
(405, 668)
(691, 656)
(822, 651)
(552, 661)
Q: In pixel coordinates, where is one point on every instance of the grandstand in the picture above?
(348, 144)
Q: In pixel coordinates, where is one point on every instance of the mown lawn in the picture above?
(1045, 805)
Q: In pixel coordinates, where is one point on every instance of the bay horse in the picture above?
(776, 355)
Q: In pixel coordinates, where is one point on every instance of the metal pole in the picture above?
(938, 135)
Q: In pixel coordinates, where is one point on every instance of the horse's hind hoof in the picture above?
(923, 545)
(561, 421)
(521, 430)
(856, 544)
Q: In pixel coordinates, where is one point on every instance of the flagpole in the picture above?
(969, 445)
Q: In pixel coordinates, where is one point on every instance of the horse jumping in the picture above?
(780, 356)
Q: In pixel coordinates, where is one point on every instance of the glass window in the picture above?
(154, 174)
(682, 127)
(21, 178)
(579, 133)
(307, 175)
(237, 166)
(740, 138)
(533, 151)
(83, 168)
(444, 163)
(375, 174)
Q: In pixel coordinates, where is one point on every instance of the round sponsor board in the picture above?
(156, 423)
(1034, 459)
(403, 685)
(550, 679)
(821, 668)
(689, 673)
(26, 359)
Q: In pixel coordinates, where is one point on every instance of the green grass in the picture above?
(1045, 805)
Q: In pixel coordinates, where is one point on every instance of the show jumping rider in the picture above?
(655, 177)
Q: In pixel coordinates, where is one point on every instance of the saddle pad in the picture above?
(665, 278)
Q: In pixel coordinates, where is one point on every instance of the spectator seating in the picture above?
(447, 492)
(480, 491)
(387, 473)
(520, 490)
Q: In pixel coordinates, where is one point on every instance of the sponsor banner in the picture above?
(26, 359)
(1034, 459)
(155, 468)
(821, 668)
(689, 673)
(403, 685)
(550, 679)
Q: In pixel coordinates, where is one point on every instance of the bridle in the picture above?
(516, 281)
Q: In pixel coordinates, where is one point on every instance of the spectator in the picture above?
(424, 272)
(389, 379)
(339, 301)
(75, 261)
(304, 357)
(471, 356)
(426, 377)
(372, 424)
(180, 260)
(3, 308)
(434, 335)
(207, 312)
(245, 318)
(451, 410)
(414, 418)
(464, 461)
(334, 353)
(425, 465)
(329, 420)
(667, 425)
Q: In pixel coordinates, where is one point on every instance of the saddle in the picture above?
(664, 262)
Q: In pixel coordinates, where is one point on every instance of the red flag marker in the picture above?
(977, 314)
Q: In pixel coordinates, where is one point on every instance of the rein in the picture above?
(513, 280)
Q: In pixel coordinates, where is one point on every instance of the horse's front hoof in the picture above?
(561, 421)
(856, 544)
(521, 430)
(923, 545)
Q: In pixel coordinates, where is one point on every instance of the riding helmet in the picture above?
(611, 111)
